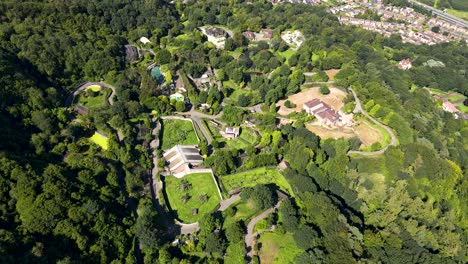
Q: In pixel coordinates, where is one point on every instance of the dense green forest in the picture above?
(64, 200)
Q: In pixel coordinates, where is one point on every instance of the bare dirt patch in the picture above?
(268, 252)
(334, 99)
(334, 133)
(368, 134)
(331, 74)
(363, 130)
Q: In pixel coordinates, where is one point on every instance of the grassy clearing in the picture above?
(236, 94)
(245, 139)
(98, 99)
(244, 211)
(256, 176)
(278, 248)
(200, 184)
(177, 132)
(100, 140)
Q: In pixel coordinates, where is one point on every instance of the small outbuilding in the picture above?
(230, 132)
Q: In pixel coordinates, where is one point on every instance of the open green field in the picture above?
(254, 177)
(277, 248)
(177, 132)
(100, 140)
(200, 184)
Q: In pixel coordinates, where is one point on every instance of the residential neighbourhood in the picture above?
(413, 27)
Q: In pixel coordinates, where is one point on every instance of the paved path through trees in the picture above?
(250, 236)
(359, 109)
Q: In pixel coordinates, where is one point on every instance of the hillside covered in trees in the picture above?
(64, 199)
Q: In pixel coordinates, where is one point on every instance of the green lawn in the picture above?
(236, 94)
(256, 176)
(93, 101)
(100, 140)
(200, 184)
(177, 132)
(278, 248)
(244, 211)
(245, 139)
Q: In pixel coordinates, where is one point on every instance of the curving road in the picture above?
(224, 204)
(250, 236)
(359, 109)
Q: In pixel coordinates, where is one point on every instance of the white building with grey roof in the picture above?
(181, 159)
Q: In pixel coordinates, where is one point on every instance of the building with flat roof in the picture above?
(181, 158)
(230, 132)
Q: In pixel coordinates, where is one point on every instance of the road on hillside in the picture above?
(359, 109)
(224, 204)
(249, 237)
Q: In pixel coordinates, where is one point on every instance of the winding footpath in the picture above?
(359, 109)
(250, 236)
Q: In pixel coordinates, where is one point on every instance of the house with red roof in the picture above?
(323, 112)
